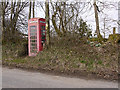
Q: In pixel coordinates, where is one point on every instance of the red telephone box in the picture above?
(36, 35)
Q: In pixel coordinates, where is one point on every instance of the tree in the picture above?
(55, 10)
(47, 22)
(97, 21)
(83, 29)
(30, 9)
(4, 6)
(33, 8)
(66, 16)
(59, 17)
(12, 18)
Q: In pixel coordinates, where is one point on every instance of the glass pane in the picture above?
(43, 34)
(42, 31)
(33, 28)
(43, 37)
(33, 31)
(42, 27)
(33, 37)
(33, 40)
(33, 51)
(43, 41)
(33, 44)
(33, 34)
(34, 48)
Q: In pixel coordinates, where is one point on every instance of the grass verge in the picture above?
(68, 56)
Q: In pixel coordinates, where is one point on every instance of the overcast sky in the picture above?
(111, 13)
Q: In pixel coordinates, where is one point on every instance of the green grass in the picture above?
(100, 62)
(17, 60)
(63, 54)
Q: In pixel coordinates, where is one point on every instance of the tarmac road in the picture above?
(15, 78)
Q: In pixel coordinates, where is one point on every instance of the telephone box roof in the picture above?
(36, 18)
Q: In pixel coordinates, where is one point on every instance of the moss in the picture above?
(114, 38)
(97, 39)
(17, 60)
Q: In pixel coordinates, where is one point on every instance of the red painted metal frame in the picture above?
(36, 22)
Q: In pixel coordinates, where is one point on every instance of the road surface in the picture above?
(15, 78)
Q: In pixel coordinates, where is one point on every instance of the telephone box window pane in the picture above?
(34, 48)
(33, 34)
(42, 27)
(33, 51)
(43, 34)
(43, 37)
(33, 28)
(33, 37)
(33, 40)
(32, 31)
(32, 44)
(43, 41)
(42, 31)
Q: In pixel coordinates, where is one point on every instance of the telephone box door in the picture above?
(33, 37)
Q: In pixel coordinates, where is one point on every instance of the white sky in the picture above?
(111, 13)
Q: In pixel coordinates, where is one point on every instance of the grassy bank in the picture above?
(68, 55)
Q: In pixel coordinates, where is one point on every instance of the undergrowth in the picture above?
(68, 53)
